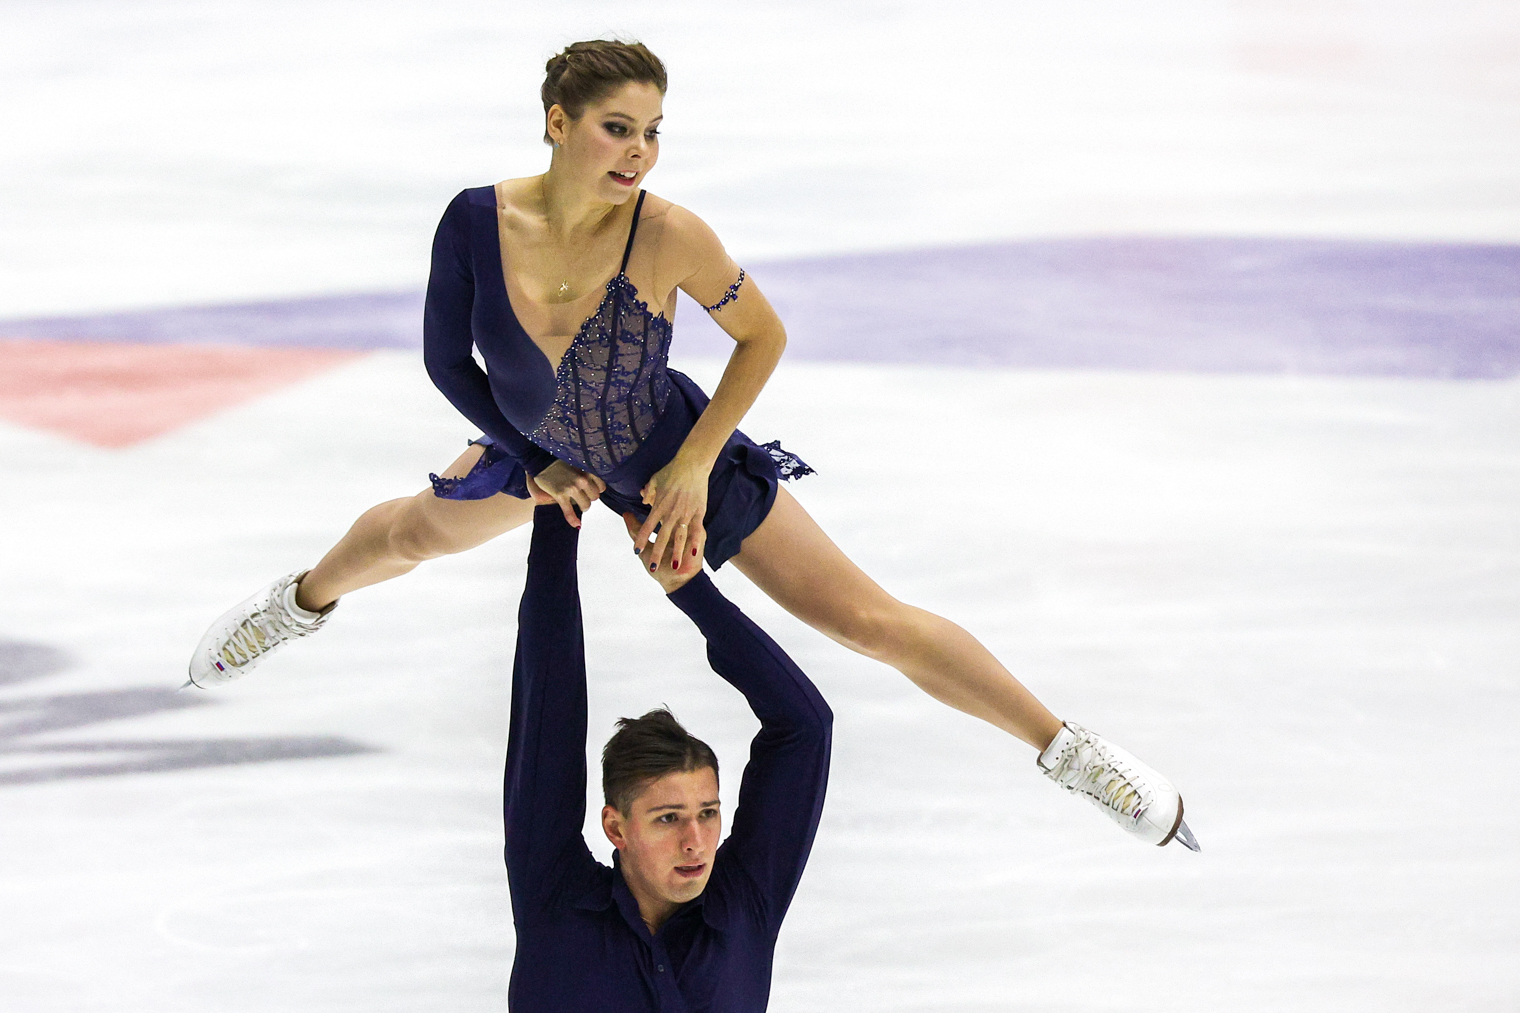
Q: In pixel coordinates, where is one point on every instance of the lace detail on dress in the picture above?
(788, 464)
(611, 387)
(496, 471)
(729, 296)
(444, 488)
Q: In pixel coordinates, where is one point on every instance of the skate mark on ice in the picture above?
(24, 718)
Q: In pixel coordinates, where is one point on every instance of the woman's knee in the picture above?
(415, 537)
(878, 629)
(428, 527)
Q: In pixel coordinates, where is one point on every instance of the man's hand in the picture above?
(568, 486)
(659, 568)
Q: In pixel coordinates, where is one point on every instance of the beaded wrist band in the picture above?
(729, 296)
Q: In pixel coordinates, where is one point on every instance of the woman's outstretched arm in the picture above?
(677, 493)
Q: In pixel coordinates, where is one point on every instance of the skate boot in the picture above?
(245, 636)
(1132, 794)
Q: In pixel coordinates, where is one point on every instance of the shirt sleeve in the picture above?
(545, 789)
(447, 340)
(781, 795)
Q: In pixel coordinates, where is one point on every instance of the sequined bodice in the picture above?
(611, 386)
(611, 405)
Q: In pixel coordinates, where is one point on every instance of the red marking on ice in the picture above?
(115, 394)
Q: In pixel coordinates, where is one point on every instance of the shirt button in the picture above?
(659, 967)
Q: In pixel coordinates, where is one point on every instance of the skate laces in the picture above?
(1089, 768)
(262, 630)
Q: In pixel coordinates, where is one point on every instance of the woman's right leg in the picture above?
(387, 541)
(392, 538)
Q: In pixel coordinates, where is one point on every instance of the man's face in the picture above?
(668, 837)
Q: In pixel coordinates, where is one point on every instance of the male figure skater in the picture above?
(677, 923)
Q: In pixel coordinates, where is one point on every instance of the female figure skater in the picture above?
(566, 284)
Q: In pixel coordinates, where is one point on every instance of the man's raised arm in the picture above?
(781, 796)
(546, 748)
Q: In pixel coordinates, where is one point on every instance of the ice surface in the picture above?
(1296, 597)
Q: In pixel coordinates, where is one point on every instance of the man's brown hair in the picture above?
(645, 749)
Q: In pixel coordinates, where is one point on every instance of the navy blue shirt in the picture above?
(581, 943)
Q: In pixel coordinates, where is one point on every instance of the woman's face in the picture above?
(614, 144)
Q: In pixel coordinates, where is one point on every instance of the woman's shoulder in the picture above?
(676, 217)
(472, 195)
(681, 230)
(458, 213)
(509, 195)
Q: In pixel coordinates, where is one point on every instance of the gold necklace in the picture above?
(562, 293)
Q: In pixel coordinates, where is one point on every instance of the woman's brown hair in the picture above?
(587, 71)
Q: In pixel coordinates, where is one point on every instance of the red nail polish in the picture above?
(693, 552)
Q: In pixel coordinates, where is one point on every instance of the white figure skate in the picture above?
(1132, 794)
(249, 633)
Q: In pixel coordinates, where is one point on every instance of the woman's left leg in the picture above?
(791, 559)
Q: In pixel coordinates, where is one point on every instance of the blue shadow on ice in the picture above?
(23, 719)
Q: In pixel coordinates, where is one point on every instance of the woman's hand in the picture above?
(669, 577)
(568, 486)
(677, 497)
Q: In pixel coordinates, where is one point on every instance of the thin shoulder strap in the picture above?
(633, 230)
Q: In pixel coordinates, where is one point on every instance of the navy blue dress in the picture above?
(613, 407)
(582, 946)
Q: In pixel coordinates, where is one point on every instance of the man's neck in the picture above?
(653, 909)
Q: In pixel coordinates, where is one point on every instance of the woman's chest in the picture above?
(556, 285)
(553, 290)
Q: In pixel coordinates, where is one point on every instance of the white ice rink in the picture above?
(1297, 596)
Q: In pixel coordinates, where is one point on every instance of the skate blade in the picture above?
(1185, 837)
(189, 684)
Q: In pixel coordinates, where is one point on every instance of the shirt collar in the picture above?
(614, 890)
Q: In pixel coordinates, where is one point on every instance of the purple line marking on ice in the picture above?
(1285, 306)
(1192, 305)
(356, 322)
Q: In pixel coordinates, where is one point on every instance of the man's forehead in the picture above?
(681, 790)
